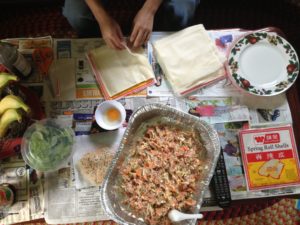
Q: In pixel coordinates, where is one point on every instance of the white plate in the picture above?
(263, 63)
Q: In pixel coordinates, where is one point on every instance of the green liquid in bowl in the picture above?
(47, 146)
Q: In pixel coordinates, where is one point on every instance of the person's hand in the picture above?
(142, 28)
(112, 33)
(110, 29)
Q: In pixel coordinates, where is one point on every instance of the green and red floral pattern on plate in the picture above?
(292, 66)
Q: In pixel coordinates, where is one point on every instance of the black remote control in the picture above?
(220, 183)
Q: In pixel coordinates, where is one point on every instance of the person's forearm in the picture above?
(152, 5)
(97, 10)
(110, 29)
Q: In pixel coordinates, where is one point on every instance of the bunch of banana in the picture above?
(11, 106)
(5, 79)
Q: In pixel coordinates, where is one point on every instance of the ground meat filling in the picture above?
(162, 172)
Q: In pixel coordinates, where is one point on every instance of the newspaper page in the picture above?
(81, 112)
(225, 110)
(90, 143)
(61, 193)
(79, 72)
(222, 39)
(229, 114)
(26, 46)
(29, 44)
(228, 134)
(65, 204)
(214, 109)
(219, 104)
(29, 203)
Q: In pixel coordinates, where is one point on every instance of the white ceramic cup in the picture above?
(101, 117)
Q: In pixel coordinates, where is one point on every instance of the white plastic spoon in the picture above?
(176, 216)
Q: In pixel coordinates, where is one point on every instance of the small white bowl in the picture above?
(102, 117)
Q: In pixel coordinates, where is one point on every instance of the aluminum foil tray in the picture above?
(146, 115)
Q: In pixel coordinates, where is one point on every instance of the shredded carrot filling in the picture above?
(162, 172)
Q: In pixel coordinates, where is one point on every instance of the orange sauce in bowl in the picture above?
(113, 115)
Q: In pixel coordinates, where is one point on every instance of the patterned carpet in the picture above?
(29, 20)
(32, 20)
(282, 212)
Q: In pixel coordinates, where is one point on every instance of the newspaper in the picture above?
(78, 73)
(214, 109)
(76, 104)
(65, 204)
(26, 46)
(81, 112)
(228, 134)
(223, 40)
(227, 109)
(90, 143)
(162, 87)
(229, 115)
(29, 204)
(67, 182)
(76, 204)
(29, 44)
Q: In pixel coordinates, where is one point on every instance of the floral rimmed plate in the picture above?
(263, 63)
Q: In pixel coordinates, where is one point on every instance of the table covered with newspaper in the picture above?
(56, 197)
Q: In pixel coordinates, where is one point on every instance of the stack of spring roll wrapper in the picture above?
(120, 73)
(189, 59)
